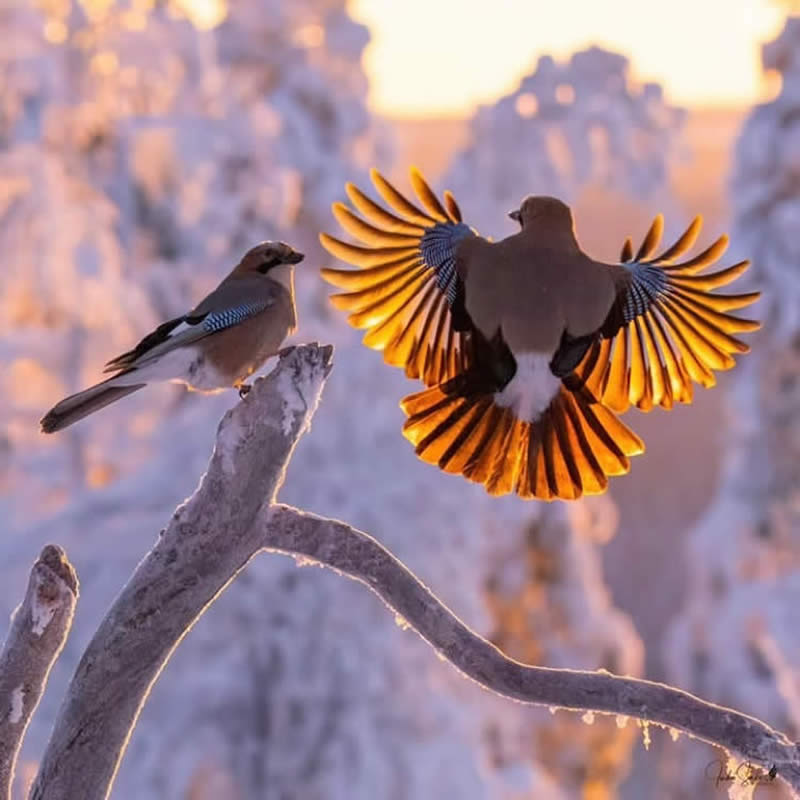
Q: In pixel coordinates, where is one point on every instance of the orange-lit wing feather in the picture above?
(667, 329)
(407, 294)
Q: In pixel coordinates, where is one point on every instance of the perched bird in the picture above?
(217, 345)
(530, 347)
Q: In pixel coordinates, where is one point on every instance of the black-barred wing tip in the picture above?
(570, 451)
(670, 328)
(406, 281)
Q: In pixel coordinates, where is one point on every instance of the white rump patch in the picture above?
(181, 365)
(531, 389)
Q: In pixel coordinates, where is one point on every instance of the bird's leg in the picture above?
(244, 390)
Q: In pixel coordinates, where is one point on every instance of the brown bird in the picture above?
(217, 345)
(528, 345)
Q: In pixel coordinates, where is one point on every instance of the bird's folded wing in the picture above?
(667, 328)
(408, 293)
(222, 309)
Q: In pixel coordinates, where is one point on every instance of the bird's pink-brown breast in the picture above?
(237, 352)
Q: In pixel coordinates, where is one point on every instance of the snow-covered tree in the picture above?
(566, 124)
(736, 639)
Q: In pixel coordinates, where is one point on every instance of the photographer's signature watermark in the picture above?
(724, 772)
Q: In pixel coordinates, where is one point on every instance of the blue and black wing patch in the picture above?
(225, 318)
(210, 322)
(407, 292)
(667, 328)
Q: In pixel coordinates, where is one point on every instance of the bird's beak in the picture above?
(515, 215)
(296, 258)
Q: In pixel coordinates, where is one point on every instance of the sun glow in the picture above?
(447, 56)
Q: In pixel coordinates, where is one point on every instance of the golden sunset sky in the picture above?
(443, 57)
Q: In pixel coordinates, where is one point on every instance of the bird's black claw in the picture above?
(244, 390)
(284, 351)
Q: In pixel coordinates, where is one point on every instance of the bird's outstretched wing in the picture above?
(408, 293)
(667, 328)
(226, 306)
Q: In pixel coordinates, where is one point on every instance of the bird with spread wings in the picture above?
(528, 347)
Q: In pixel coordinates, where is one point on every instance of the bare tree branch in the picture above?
(232, 516)
(356, 554)
(208, 541)
(38, 631)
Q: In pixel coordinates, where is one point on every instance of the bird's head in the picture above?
(542, 211)
(267, 256)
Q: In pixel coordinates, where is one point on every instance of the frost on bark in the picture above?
(736, 639)
(38, 631)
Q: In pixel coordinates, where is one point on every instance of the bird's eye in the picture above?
(268, 265)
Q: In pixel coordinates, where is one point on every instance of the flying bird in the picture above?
(528, 346)
(216, 345)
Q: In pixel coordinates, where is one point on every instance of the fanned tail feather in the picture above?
(675, 331)
(569, 451)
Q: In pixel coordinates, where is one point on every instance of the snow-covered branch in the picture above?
(207, 542)
(358, 555)
(39, 629)
(231, 517)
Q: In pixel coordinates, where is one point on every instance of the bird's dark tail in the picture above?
(80, 405)
(570, 450)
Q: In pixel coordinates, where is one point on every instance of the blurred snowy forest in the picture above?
(143, 147)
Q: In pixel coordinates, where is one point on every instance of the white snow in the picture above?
(229, 440)
(645, 726)
(17, 704)
(296, 398)
(42, 614)
(305, 561)
(401, 622)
